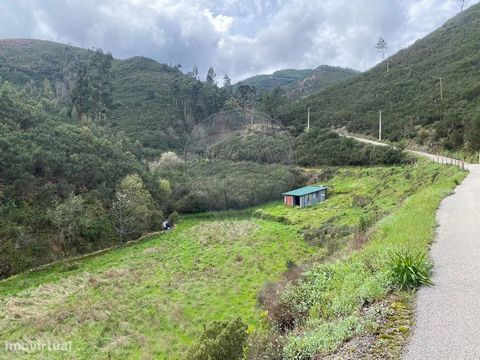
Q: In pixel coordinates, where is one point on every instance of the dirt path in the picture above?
(447, 315)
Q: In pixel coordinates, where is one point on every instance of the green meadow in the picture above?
(152, 299)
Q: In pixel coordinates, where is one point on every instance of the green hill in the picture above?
(280, 78)
(320, 78)
(298, 83)
(153, 103)
(409, 92)
(24, 61)
(143, 105)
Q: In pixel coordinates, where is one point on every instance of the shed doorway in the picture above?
(296, 200)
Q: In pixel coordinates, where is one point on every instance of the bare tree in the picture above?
(382, 46)
(461, 4)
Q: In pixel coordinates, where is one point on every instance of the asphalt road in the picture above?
(447, 315)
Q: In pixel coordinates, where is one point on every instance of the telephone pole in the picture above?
(380, 125)
(441, 85)
(308, 118)
(441, 89)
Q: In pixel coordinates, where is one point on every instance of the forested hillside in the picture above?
(35, 62)
(298, 83)
(152, 103)
(281, 78)
(408, 92)
(320, 79)
(158, 105)
(66, 188)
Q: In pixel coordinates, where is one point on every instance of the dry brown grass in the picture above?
(47, 305)
(219, 232)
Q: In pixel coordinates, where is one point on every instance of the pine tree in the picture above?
(210, 79)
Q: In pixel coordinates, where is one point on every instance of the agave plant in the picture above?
(409, 271)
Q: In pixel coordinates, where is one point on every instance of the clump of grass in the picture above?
(69, 266)
(220, 232)
(408, 271)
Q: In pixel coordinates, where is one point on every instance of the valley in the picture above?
(141, 212)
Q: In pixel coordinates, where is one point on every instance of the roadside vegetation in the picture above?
(334, 301)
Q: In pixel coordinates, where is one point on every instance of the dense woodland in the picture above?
(66, 188)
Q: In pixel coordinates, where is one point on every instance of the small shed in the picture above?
(305, 196)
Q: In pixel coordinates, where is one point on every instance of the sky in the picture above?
(236, 37)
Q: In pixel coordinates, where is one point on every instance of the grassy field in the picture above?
(152, 299)
(342, 299)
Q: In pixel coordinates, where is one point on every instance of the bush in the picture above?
(265, 346)
(320, 147)
(283, 313)
(167, 162)
(408, 271)
(173, 218)
(360, 201)
(327, 234)
(220, 341)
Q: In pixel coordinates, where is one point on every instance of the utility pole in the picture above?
(387, 65)
(308, 118)
(441, 88)
(380, 126)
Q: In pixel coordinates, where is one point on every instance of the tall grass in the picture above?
(409, 271)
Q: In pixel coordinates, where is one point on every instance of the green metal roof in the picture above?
(305, 190)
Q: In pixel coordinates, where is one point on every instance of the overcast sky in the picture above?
(238, 37)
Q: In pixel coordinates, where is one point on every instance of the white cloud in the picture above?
(238, 37)
(221, 23)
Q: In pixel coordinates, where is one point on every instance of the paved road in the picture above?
(437, 158)
(447, 315)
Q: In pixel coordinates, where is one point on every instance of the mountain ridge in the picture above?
(298, 82)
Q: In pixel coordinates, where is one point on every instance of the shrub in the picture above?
(283, 314)
(360, 201)
(167, 162)
(265, 345)
(326, 235)
(173, 217)
(290, 264)
(221, 340)
(408, 271)
(365, 222)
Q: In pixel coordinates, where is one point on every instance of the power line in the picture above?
(410, 69)
(338, 112)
